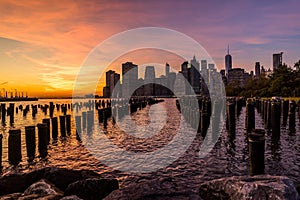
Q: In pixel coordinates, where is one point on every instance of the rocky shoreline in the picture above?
(57, 183)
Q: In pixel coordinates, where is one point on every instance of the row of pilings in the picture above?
(61, 126)
(275, 113)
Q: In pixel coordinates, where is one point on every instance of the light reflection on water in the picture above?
(229, 156)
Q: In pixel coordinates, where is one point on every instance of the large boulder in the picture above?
(42, 188)
(93, 188)
(249, 187)
(61, 178)
(163, 188)
(16, 183)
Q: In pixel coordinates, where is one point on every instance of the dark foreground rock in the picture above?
(50, 183)
(247, 187)
(92, 188)
(165, 188)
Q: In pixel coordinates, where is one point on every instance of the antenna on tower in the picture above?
(228, 50)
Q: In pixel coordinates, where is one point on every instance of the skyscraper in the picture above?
(257, 69)
(167, 69)
(149, 81)
(195, 63)
(149, 74)
(203, 65)
(129, 78)
(228, 62)
(114, 78)
(277, 60)
(108, 73)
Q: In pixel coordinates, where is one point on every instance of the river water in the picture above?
(229, 156)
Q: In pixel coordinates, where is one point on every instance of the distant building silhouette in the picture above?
(257, 69)
(224, 78)
(228, 62)
(129, 78)
(149, 81)
(167, 69)
(238, 76)
(112, 79)
(277, 60)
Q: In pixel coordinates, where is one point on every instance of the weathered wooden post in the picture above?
(1, 137)
(47, 121)
(78, 125)
(204, 123)
(62, 122)
(268, 123)
(3, 111)
(54, 127)
(84, 120)
(256, 141)
(14, 146)
(30, 142)
(105, 118)
(100, 115)
(11, 112)
(275, 118)
(51, 109)
(90, 122)
(250, 116)
(43, 139)
(292, 116)
(68, 127)
(284, 111)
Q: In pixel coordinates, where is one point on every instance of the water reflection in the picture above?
(228, 157)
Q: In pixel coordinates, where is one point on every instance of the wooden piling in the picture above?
(62, 122)
(30, 142)
(84, 120)
(42, 139)
(14, 146)
(275, 118)
(90, 122)
(256, 141)
(3, 113)
(78, 125)
(231, 118)
(11, 113)
(284, 111)
(54, 124)
(68, 124)
(250, 116)
(47, 121)
(292, 116)
(1, 137)
(105, 118)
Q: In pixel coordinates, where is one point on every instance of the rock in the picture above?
(92, 188)
(37, 197)
(61, 178)
(72, 197)
(42, 188)
(164, 188)
(13, 196)
(249, 187)
(17, 183)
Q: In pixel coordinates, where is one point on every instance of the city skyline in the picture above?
(43, 44)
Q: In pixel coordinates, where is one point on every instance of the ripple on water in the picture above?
(228, 157)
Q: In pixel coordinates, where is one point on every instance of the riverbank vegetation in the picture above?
(283, 82)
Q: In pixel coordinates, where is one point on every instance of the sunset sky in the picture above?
(44, 43)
